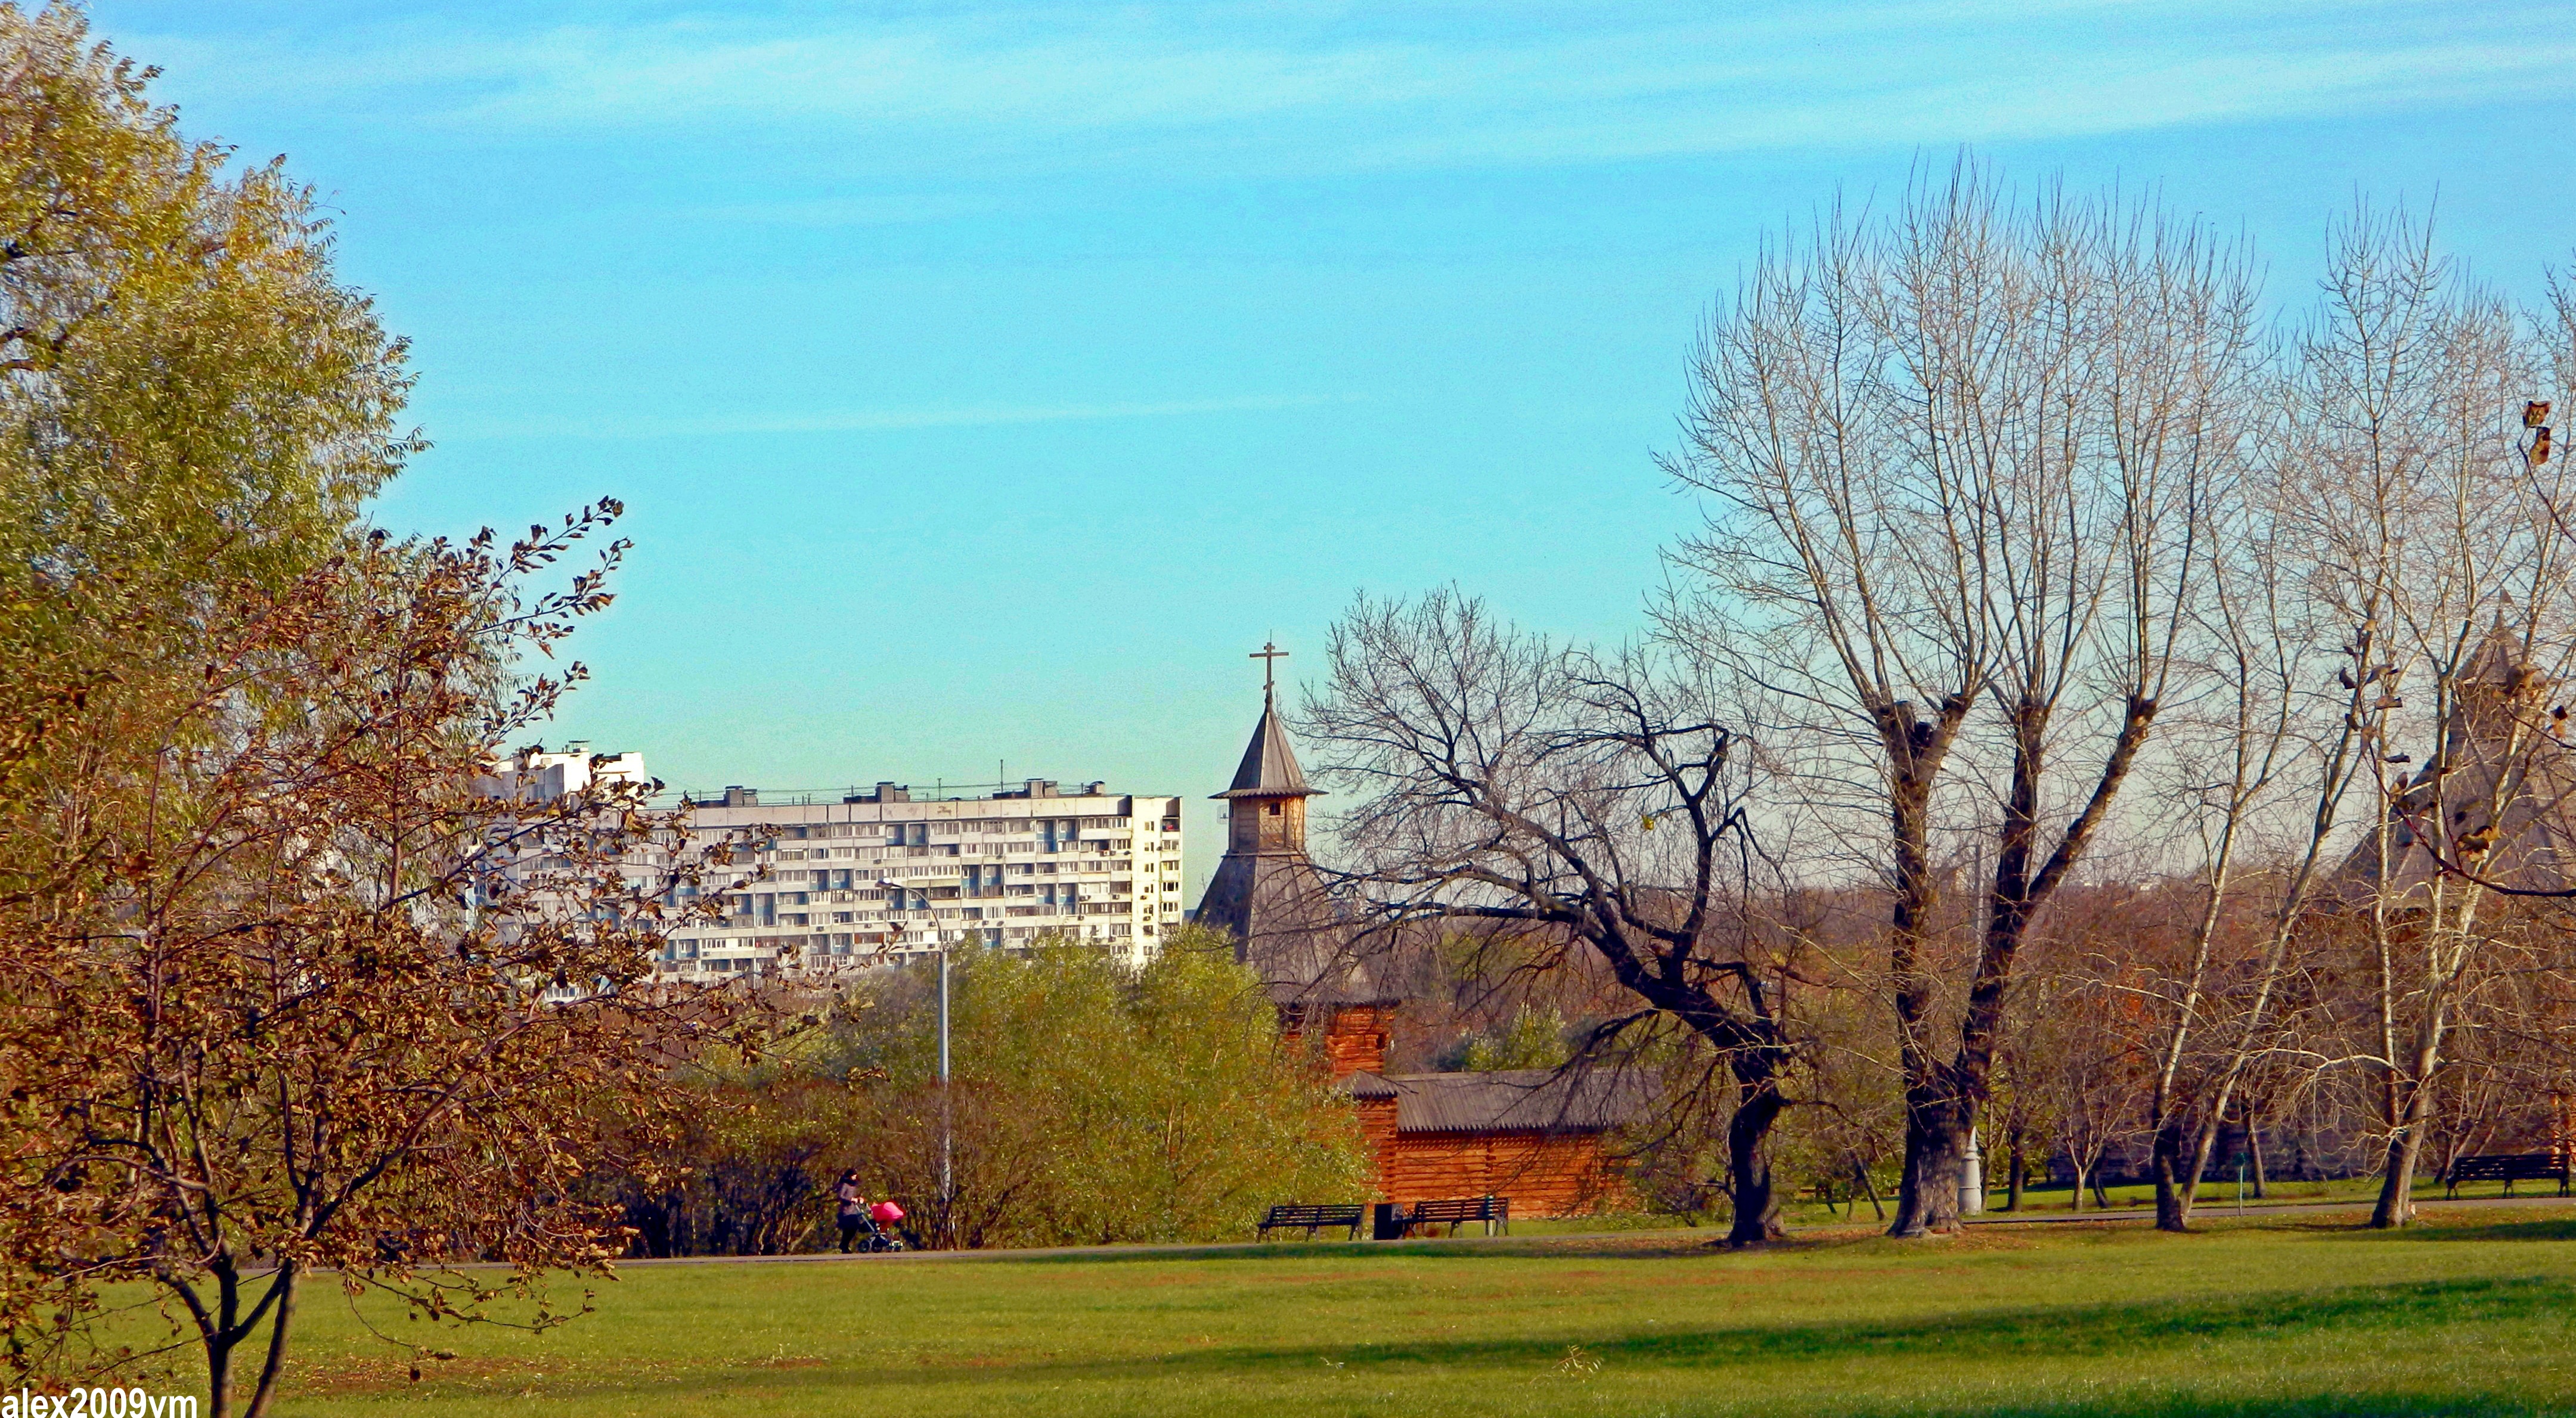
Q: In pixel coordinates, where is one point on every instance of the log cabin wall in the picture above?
(1377, 1128)
(1543, 1173)
(1355, 1036)
(1355, 1040)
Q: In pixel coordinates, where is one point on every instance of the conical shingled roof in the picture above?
(2506, 783)
(1269, 768)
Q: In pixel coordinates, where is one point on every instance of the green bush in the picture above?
(1091, 1103)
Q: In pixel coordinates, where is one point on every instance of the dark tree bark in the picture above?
(1942, 1096)
(1936, 1118)
(2395, 1206)
(1748, 1163)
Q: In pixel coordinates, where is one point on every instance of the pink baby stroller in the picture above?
(881, 1236)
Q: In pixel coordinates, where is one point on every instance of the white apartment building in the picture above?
(826, 881)
(829, 883)
(537, 776)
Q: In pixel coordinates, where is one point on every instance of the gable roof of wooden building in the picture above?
(1508, 1100)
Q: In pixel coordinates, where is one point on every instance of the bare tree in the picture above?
(1955, 461)
(2256, 771)
(2091, 1085)
(2441, 517)
(1508, 782)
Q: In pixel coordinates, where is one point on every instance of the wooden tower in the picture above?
(1267, 894)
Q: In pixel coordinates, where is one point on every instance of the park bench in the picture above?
(2508, 1168)
(1313, 1219)
(1492, 1210)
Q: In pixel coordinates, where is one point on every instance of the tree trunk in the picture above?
(2016, 1172)
(284, 1285)
(1927, 1195)
(1941, 1099)
(219, 1378)
(221, 1332)
(2254, 1153)
(2396, 1205)
(1748, 1162)
(2173, 1204)
(1936, 1146)
(1869, 1188)
(2075, 1198)
(2406, 1141)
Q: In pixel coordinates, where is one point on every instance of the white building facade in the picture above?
(819, 882)
(823, 884)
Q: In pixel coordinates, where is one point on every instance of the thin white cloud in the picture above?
(885, 209)
(1240, 89)
(720, 423)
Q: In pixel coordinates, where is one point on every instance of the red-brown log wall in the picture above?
(1354, 1038)
(1544, 1174)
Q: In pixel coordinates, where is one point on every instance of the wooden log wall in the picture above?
(1355, 1038)
(1544, 1173)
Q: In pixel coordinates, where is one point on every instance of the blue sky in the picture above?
(985, 381)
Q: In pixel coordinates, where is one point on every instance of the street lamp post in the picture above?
(947, 1176)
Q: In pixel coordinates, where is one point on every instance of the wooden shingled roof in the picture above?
(2501, 793)
(1508, 1100)
(1269, 768)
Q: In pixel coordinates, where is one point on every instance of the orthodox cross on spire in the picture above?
(1269, 766)
(1267, 655)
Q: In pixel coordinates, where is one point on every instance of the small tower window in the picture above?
(1273, 809)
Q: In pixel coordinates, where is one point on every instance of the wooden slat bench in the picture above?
(1314, 1218)
(1492, 1210)
(2508, 1168)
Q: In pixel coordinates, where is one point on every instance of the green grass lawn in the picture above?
(2218, 1197)
(2470, 1314)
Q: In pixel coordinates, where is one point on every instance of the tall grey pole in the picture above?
(947, 1177)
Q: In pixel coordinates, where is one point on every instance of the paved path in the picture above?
(2206, 1211)
(2219, 1211)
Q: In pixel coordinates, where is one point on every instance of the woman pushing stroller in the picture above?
(857, 1216)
